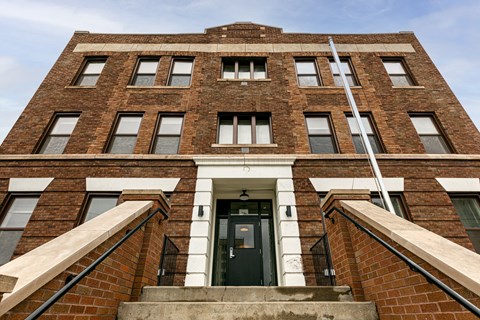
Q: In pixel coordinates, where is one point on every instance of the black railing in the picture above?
(60, 293)
(324, 272)
(413, 266)
(168, 263)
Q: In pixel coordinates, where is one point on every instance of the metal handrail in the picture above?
(60, 293)
(413, 266)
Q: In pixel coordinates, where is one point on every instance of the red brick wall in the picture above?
(99, 294)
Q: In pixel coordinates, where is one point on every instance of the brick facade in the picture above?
(60, 205)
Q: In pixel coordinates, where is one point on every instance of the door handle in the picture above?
(231, 253)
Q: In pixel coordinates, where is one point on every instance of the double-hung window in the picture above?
(371, 134)
(125, 134)
(468, 208)
(244, 129)
(398, 73)
(244, 68)
(181, 73)
(12, 223)
(397, 203)
(347, 70)
(307, 73)
(167, 139)
(320, 134)
(91, 72)
(429, 133)
(145, 72)
(59, 133)
(98, 204)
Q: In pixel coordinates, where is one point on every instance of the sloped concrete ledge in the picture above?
(39, 266)
(455, 261)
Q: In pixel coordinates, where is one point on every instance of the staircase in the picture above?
(247, 303)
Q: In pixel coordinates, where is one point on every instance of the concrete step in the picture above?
(312, 310)
(245, 294)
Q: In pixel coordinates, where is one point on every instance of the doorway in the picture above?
(244, 253)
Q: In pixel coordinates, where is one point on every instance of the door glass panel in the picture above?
(220, 274)
(266, 208)
(269, 278)
(244, 236)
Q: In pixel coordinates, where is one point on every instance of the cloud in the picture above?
(58, 16)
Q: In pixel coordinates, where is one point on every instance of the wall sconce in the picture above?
(289, 211)
(200, 211)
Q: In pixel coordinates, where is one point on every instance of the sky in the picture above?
(34, 32)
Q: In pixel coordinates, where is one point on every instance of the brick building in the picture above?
(240, 109)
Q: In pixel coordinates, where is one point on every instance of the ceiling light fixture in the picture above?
(244, 196)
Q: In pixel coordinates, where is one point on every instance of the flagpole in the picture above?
(366, 142)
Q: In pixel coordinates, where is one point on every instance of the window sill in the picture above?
(80, 87)
(271, 145)
(329, 87)
(409, 87)
(244, 80)
(157, 87)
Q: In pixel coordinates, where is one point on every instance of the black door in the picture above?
(244, 266)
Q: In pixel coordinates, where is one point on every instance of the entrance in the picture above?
(244, 244)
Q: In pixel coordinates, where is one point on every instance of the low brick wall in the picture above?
(376, 274)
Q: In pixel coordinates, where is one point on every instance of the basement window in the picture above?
(98, 204)
(468, 208)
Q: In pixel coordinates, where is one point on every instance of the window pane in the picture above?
(87, 80)
(228, 70)
(424, 125)
(19, 212)
(225, 136)
(401, 81)
(357, 141)
(259, 70)
(98, 205)
(147, 67)
(123, 144)
(244, 70)
(338, 81)
(322, 144)
(394, 67)
(64, 125)
(128, 125)
(222, 251)
(354, 129)
(244, 130)
(345, 67)
(144, 80)
(308, 81)
(396, 202)
(183, 67)
(54, 145)
(167, 145)
(268, 253)
(8, 243)
(180, 81)
(474, 236)
(318, 125)
(244, 236)
(170, 125)
(306, 67)
(263, 131)
(375, 144)
(94, 67)
(468, 208)
(434, 144)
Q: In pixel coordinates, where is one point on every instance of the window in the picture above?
(244, 69)
(398, 74)
(90, 73)
(396, 202)
(433, 141)
(468, 208)
(167, 139)
(59, 134)
(347, 69)
(145, 72)
(307, 73)
(125, 136)
(13, 222)
(181, 73)
(357, 138)
(244, 129)
(98, 204)
(320, 134)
